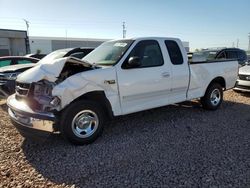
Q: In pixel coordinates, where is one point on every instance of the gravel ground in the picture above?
(175, 146)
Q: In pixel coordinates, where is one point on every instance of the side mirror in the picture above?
(133, 62)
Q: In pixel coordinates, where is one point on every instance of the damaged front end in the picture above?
(33, 105)
(38, 95)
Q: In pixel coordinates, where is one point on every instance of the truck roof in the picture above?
(149, 38)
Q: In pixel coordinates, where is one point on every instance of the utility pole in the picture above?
(27, 26)
(66, 38)
(249, 42)
(124, 30)
(237, 43)
(27, 38)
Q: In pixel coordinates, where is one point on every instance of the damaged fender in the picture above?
(85, 82)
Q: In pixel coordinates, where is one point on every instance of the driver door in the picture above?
(147, 85)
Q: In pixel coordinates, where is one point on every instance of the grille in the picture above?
(22, 89)
(244, 77)
(2, 77)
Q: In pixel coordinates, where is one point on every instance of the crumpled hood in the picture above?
(245, 70)
(14, 68)
(48, 70)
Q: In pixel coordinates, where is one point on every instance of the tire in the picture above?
(213, 97)
(82, 122)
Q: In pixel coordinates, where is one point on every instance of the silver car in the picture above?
(243, 82)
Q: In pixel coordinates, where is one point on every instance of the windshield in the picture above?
(207, 54)
(53, 55)
(109, 53)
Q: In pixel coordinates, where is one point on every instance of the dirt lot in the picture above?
(174, 146)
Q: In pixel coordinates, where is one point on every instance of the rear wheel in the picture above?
(82, 122)
(213, 97)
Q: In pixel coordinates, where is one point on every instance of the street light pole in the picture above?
(27, 37)
(27, 26)
(249, 42)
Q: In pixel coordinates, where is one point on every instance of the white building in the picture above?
(46, 45)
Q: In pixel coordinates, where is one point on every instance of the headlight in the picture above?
(11, 76)
(55, 101)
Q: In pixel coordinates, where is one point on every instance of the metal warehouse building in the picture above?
(46, 45)
(13, 42)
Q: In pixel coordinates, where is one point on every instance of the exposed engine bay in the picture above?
(70, 69)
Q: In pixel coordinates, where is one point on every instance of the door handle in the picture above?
(165, 74)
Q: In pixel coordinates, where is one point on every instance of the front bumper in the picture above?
(29, 122)
(242, 85)
(7, 87)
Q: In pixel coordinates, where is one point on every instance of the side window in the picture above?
(5, 63)
(231, 54)
(241, 55)
(148, 52)
(221, 55)
(23, 61)
(78, 55)
(174, 52)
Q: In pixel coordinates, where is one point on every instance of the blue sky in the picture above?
(213, 23)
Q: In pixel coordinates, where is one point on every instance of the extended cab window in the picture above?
(231, 54)
(148, 52)
(174, 52)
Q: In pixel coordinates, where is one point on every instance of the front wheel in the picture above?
(82, 122)
(213, 97)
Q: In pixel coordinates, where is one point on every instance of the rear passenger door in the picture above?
(180, 71)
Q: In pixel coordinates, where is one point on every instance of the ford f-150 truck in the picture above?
(76, 97)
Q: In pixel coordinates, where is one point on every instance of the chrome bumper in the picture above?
(25, 117)
(242, 85)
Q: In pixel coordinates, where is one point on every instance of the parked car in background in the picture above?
(16, 60)
(243, 82)
(222, 53)
(72, 52)
(8, 74)
(38, 56)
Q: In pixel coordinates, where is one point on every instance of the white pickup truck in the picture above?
(76, 97)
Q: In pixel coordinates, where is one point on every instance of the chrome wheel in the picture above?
(215, 97)
(85, 123)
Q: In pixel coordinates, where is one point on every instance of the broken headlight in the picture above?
(43, 95)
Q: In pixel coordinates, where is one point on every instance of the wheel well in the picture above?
(219, 80)
(100, 98)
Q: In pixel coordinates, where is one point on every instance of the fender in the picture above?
(81, 84)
